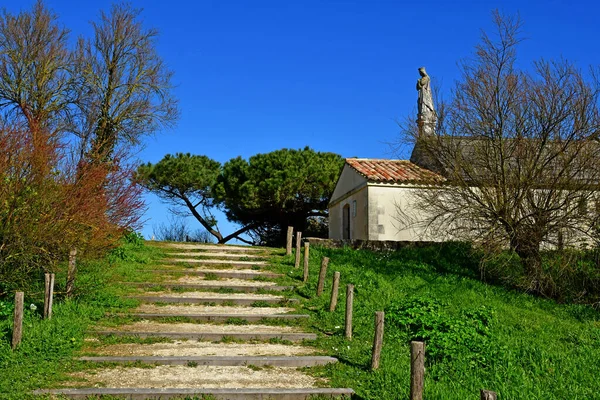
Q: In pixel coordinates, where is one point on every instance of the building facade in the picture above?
(368, 196)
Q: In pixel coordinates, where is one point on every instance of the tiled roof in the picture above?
(393, 171)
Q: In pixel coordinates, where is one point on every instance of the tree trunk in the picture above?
(528, 251)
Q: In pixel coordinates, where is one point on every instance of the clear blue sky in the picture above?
(255, 76)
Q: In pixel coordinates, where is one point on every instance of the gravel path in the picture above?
(210, 269)
(195, 309)
(175, 376)
(218, 262)
(198, 348)
(210, 247)
(217, 255)
(197, 280)
(151, 326)
(213, 295)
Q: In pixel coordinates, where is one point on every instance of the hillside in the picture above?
(478, 336)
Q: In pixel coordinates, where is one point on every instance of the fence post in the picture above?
(18, 320)
(334, 291)
(48, 295)
(417, 370)
(306, 258)
(378, 341)
(349, 301)
(290, 236)
(488, 395)
(322, 274)
(298, 246)
(71, 272)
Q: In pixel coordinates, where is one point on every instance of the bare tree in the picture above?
(36, 88)
(177, 230)
(125, 87)
(518, 150)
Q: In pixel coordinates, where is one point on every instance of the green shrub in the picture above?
(465, 334)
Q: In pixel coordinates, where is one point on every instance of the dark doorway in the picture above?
(346, 222)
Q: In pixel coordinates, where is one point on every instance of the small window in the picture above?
(354, 208)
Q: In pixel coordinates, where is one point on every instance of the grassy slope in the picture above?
(534, 348)
(46, 353)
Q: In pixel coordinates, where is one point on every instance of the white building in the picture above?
(368, 194)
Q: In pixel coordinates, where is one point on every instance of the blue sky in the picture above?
(256, 76)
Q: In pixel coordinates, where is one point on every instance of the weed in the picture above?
(277, 340)
(236, 321)
(229, 339)
(211, 276)
(261, 303)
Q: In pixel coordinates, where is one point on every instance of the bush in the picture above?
(48, 206)
(569, 276)
(464, 335)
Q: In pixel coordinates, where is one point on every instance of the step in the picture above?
(259, 361)
(229, 394)
(226, 263)
(209, 247)
(187, 348)
(213, 336)
(219, 317)
(211, 299)
(218, 255)
(211, 286)
(220, 273)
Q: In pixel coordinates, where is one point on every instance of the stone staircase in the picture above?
(213, 327)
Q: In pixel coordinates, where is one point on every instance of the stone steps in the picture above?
(218, 256)
(245, 301)
(212, 286)
(224, 361)
(212, 262)
(220, 273)
(208, 247)
(212, 336)
(228, 394)
(258, 361)
(206, 317)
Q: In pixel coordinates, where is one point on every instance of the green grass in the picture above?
(211, 276)
(478, 336)
(47, 352)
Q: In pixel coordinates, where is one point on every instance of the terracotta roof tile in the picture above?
(393, 171)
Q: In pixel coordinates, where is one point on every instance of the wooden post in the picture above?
(349, 301)
(334, 291)
(48, 295)
(417, 370)
(298, 246)
(488, 395)
(71, 272)
(306, 258)
(322, 274)
(18, 320)
(290, 236)
(378, 341)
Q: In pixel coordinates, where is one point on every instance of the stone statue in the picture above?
(427, 118)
